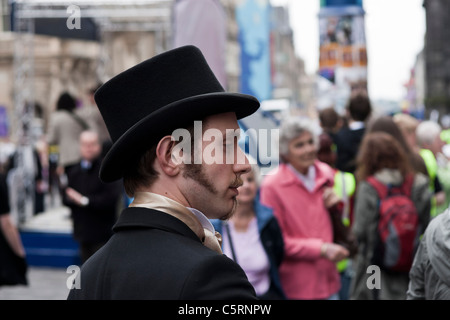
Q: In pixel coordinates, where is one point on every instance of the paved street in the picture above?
(44, 283)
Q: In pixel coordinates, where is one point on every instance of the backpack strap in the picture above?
(407, 184)
(381, 188)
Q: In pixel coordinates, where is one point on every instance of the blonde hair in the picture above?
(406, 121)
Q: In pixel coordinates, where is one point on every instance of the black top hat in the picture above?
(157, 96)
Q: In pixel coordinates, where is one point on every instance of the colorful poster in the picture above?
(253, 18)
(343, 53)
(342, 41)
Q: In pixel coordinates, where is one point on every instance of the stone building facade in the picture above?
(437, 56)
(75, 65)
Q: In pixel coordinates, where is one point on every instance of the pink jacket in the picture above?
(305, 224)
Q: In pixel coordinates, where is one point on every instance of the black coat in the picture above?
(93, 223)
(153, 255)
(347, 143)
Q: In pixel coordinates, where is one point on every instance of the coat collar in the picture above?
(324, 175)
(142, 218)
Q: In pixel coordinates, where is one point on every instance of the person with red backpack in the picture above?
(391, 212)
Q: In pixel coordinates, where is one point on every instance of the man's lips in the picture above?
(235, 190)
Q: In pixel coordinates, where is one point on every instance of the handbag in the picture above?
(342, 234)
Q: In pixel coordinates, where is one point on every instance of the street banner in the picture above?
(4, 123)
(203, 24)
(253, 18)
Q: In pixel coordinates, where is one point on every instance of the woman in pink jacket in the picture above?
(300, 193)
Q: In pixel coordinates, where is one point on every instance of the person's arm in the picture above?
(11, 235)
(365, 210)
(52, 132)
(296, 248)
(108, 195)
(416, 287)
(7, 226)
(421, 196)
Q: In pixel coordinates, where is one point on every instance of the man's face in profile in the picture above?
(211, 186)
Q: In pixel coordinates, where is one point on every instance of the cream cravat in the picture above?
(210, 239)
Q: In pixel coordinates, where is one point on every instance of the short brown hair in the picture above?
(142, 172)
(328, 118)
(359, 107)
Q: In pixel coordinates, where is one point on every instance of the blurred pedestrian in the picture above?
(300, 193)
(349, 138)
(408, 126)
(36, 165)
(344, 187)
(330, 121)
(91, 114)
(382, 157)
(430, 272)
(64, 130)
(93, 204)
(387, 124)
(164, 246)
(253, 239)
(430, 143)
(13, 264)
(439, 187)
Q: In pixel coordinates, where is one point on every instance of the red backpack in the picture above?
(398, 226)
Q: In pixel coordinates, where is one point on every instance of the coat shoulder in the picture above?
(140, 264)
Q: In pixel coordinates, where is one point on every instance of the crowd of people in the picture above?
(67, 160)
(330, 171)
(360, 191)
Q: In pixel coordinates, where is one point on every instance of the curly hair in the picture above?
(379, 150)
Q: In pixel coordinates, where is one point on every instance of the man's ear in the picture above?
(167, 163)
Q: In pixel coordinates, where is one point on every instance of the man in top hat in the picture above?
(164, 246)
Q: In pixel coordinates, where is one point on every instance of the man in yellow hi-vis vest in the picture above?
(429, 140)
(344, 187)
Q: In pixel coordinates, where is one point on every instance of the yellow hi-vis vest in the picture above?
(445, 136)
(344, 186)
(432, 168)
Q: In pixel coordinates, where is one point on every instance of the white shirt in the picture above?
(309, 180)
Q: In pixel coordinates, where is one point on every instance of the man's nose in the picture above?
(242, 164)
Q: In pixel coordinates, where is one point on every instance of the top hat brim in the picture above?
(144, 134)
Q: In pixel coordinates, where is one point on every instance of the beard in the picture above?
(197, 173)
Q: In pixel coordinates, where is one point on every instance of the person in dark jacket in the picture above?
(13, 263)
(253, 239)
(93, 203)
(348, 139)
(164, 246)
